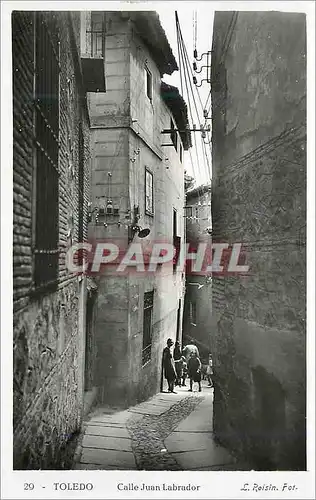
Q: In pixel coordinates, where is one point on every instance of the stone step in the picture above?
(107, 443)
(102, 423)
(108, 458)
(104, 430)
(80, 466)
(190, 460)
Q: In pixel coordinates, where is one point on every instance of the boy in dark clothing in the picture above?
(168, 366)
(178, 362)
(177, 351)
(194, 370)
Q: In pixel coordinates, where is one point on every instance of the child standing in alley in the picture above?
(184, 370)
(194, 371)
(209, 371)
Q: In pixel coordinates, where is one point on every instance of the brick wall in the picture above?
(258, 198)
(48, 328)
(22, 158)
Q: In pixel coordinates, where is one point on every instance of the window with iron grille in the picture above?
(147, 326)
(173, 135)
(95, 34)
(46, 148)
(149, 192)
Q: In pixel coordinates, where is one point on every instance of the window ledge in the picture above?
(89, 56)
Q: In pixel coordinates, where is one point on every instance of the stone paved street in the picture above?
(167, 432)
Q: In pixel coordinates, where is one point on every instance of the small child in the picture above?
(209, 371)
(184, 370)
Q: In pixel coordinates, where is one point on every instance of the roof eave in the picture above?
(178, 108)
(149, 28)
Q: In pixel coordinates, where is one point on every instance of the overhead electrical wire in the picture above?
(181, 58)
(204, 108)
(187, 66)
(181, 84)
(187, 70)
(181, 81)
(194, 29)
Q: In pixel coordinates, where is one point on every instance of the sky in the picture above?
(203, 34)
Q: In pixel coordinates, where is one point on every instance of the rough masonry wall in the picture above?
(48, 353)
(259, 182)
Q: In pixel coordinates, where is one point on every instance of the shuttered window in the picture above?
(46, 148)
(149, 193)
(148, 83)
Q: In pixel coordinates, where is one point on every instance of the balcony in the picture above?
(93, 74)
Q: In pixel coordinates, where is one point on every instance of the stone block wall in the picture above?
(111, 335)
(48, 325)
(259, 199)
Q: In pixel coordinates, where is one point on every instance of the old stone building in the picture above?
(137, 183)
(51, 192)
(258, 198)
(197, 314)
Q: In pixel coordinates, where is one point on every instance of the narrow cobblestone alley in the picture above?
(167, 432)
